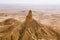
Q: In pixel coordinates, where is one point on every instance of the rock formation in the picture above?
(30, 29)
(29, 16)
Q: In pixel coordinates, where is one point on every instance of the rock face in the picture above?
(30, 29)
(29, 16)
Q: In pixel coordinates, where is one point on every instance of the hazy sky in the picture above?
(54, 2)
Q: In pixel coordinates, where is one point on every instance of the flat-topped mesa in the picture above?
(29, 16)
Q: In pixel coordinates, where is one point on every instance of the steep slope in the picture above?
(32, 30)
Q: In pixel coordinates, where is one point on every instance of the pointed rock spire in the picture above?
(29, 16)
